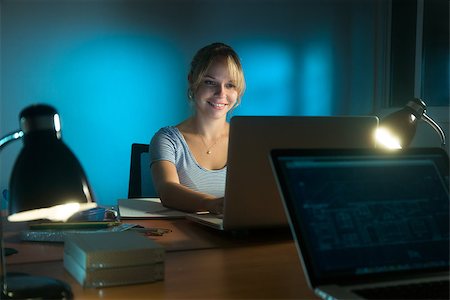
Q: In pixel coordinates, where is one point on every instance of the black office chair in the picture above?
(141, 182)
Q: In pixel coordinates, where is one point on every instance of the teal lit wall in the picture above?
(116, 70)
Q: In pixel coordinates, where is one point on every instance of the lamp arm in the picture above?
(3, 142)
(10, 137)
(435, 126)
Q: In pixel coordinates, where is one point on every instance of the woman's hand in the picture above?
(215, 206)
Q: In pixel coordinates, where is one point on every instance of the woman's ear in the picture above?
(189, 91)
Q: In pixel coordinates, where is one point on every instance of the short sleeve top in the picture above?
(169, 144)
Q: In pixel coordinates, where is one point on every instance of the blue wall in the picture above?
(116, 70)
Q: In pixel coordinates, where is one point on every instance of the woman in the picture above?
(189, 160)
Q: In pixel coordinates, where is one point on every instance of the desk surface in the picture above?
(200, 263)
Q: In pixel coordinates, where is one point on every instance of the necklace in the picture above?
(208, 148)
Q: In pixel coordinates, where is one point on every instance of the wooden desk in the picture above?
(200, 264)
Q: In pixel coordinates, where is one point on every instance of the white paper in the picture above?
(146, 208)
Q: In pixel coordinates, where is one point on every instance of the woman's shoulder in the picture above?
(170, 131)
(167, 133)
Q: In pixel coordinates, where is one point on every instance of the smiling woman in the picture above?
(189, 160)
(116, 69)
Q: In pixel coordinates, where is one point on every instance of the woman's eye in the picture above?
(209, 82)
(230, 85)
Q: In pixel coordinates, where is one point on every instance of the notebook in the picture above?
(367, 222)
(251, 196)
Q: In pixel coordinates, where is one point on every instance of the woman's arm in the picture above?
(175, 195)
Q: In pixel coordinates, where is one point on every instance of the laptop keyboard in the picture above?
(426, 290)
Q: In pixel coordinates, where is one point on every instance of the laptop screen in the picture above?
(366, 213)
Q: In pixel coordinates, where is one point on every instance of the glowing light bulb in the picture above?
(388, 140)
(60, 212)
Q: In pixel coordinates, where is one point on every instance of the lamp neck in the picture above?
(436, 127)
(418, 108)
(10, 137)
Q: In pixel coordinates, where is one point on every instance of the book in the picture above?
(146, 208)
(112, 249)
(103, 277)
(113, 258)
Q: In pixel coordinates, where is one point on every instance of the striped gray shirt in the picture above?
(169, 144)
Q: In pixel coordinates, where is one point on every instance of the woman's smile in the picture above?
(218, 106)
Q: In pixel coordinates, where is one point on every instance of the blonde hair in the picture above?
(203, 60)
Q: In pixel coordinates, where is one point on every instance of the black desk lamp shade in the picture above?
(46, 173)
(397, 130)
(47, 182)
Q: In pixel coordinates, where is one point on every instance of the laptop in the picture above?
(366, 222)
(251, 196)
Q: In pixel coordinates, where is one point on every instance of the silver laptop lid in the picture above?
(360, 215)
(251, 196)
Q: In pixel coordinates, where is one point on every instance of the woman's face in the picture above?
(217, 93)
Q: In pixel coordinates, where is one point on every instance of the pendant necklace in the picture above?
(208, 148)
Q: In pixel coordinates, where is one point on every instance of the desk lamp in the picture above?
(397, 130)
(47, 182)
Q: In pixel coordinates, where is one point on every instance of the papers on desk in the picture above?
(146, 208)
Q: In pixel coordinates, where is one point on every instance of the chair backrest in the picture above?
(141, 182)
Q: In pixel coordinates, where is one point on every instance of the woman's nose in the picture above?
(220, 89)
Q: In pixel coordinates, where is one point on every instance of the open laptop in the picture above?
(366, 221)
(251, 196)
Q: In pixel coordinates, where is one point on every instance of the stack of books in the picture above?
(113, 258)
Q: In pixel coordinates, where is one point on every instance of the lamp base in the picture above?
(24, 286)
